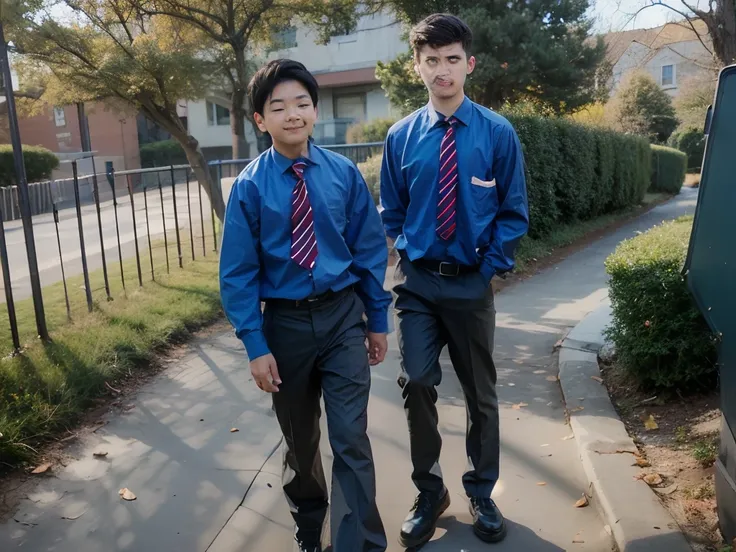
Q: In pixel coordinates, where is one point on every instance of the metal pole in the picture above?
(8, 286)
(189, 208)
(148, 231)
(212, 205)
(20, 173)
(61, 261)
(201, 219)
(87, 288)
(163, 219)
(176, 219)
(111, 180)
(135, 233)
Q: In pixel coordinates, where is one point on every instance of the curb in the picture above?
(636, 518)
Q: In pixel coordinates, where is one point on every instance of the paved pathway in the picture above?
(175, 451)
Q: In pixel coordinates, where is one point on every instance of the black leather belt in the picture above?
(445, 269)
(308, 302)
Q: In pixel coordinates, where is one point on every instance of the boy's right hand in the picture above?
(266, 373)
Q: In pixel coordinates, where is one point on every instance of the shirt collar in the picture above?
(462, 113)
(284, 164)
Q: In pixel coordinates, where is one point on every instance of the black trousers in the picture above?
(457, 311)
(320, 350)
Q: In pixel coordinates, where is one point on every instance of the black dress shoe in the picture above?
(308, 546)
(419, 525)
(308, 541)
(488, 523)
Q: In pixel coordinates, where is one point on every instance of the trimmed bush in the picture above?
(39, 163)
(669, 167)
(366, 133)
(691, 141)
(578, 172)
(660, 336)
(160, 154)
(371, 171)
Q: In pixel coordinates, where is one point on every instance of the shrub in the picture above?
(160, 154)
(660, 336)
(373, 131)
(577, 172)
(39, 163)
(669, 167)
(371, 171)
(691, 141)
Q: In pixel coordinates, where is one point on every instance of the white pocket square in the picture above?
(485, 184)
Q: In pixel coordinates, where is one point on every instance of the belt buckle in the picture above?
(443, 273)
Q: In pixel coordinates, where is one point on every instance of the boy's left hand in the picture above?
(377, 347)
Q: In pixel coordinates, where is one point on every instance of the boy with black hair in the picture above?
(455, 202)
(302, 234)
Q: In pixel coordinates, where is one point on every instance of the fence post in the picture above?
(96, 194)
(135, 231)
(87, 288)
(8, 286)
(176, 219)
(110, 172)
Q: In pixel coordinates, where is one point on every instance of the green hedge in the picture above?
(691, 141)
(660, 336)
(669, 167)
(39, 163)
(371, 171)
(160, 154)
(373, 131)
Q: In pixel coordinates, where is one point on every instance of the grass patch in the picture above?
(705, 451)
(531, 250)
(49, 385)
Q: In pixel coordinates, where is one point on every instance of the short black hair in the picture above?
(272, 74)
(440, 29)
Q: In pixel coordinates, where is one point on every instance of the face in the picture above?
(444, 69)
(288, 115)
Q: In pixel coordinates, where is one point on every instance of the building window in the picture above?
(59, 117)
(350, 106)
(668, 75)
(217, 115)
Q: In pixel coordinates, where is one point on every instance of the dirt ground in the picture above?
(678, 440)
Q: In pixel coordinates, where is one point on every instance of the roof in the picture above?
(656, 38)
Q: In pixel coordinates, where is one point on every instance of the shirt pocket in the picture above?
(484, 197)
(337, 207)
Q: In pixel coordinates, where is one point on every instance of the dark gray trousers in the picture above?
(457, 311)
(320, 349)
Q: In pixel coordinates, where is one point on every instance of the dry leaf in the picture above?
(650, 424)
(540, 371)
(642, 462)
(597, 378)
(99, 454)
(551, 378)
(583, 502)
(234, 430)
(43, 468)
(571, 436)
(577, 409)
(127, 494)
(519, 406)
(652, 479)
(541, 484)
(667, 490)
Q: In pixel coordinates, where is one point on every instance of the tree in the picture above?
(110, 54)
(719, 19)
(691, 104)
(535, 49)
(237, 28)
(640, 106)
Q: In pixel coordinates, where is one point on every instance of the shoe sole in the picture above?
(407, 543)
(498, 536)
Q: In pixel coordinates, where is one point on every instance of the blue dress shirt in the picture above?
(492, 206)
(255, 260)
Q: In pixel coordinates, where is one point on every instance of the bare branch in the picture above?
(699, 13)
(186, 13)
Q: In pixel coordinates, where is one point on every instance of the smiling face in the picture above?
(288, 115)
(444, 70)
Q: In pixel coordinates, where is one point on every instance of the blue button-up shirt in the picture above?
(492, 207)
(255, 261)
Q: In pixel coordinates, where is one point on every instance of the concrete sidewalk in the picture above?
(202, 488)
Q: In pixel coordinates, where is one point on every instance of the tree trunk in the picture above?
(237, 123)
(722, 28)
(204, 176)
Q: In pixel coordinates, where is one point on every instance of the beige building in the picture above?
(671, 54)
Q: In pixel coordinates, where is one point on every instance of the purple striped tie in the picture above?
(447, 199)
(303, 240)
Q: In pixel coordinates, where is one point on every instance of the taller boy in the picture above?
(455, 202)
(302, 234)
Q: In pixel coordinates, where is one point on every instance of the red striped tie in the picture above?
(303, 240)
(447, 200)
